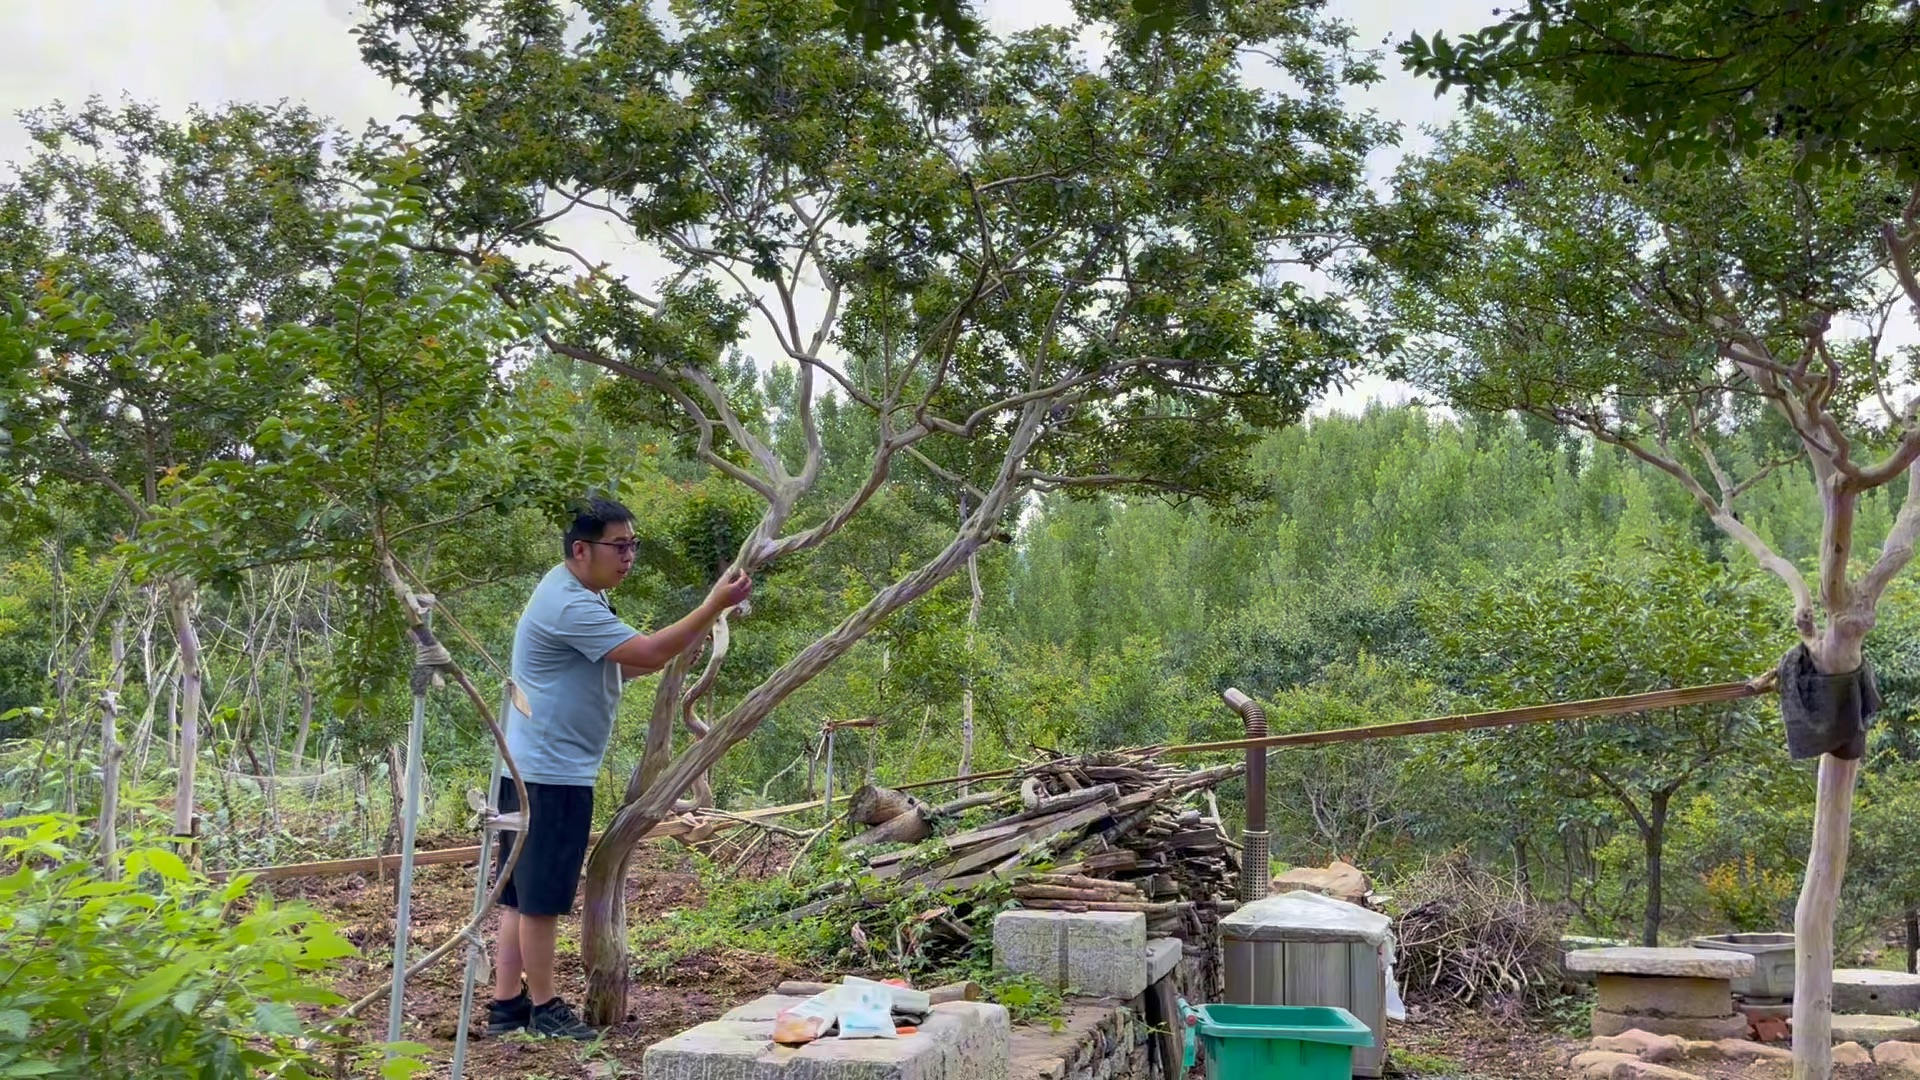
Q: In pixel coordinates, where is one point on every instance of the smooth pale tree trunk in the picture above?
(180, 597)
(305, 727)
(1837, 651)
(966, 695)
(109, 828)
(1913, 940)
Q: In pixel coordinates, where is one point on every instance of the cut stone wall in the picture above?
(1101, 1039)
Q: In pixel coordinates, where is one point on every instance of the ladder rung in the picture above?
(503, 822)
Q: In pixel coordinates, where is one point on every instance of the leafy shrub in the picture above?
(1749, 897)
(154, 976)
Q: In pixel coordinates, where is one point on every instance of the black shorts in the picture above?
(548, 874)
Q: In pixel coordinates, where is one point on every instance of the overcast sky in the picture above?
(173, 53)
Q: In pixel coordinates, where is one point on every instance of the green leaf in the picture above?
(14, 1022)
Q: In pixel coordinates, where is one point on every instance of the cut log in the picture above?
(1105, 905)
(908, 828)
(971, 802)
(1062, 892)
(873, 805)
(1053, 804)
(1077, 881)
(967, 990)
(1041, 832)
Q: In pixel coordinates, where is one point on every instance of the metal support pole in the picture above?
(826, 801)
(476, 956)
(409, 819)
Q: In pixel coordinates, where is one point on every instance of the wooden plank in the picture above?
(1041, 832)
(1367, 994)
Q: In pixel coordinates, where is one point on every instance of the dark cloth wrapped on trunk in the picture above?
(1826, 714)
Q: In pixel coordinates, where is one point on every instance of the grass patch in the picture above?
(869, 927)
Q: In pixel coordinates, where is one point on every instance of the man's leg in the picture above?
(508, 965)
(537, 933)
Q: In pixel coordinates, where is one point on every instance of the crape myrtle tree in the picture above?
(1685, 229)
(1735, 97)
(1030, 273)
(136, 251)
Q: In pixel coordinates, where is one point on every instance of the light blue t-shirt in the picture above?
(559, 662)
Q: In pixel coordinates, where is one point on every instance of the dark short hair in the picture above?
(590, 520)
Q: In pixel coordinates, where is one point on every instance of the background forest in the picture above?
(1400, 564)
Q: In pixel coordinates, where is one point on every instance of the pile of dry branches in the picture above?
(1108, 831)
(1469, 936)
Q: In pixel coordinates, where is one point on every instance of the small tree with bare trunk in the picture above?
(1718, 322)
(1025, 272)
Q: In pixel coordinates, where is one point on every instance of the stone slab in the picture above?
(1680, 963)
(1665, 995)
(1687, 1027)
(1163, 955)
(1094, 953)
(1866, 990)
(1873, 1030)
(962, 1040)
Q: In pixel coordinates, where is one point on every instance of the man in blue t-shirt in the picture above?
(570, 655)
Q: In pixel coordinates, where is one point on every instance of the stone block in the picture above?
(964, 1040)
(1896, 1053)
(1687, 1027)
(1644, 1045)
(1678, 963)
(1661, 995)
(1874, 1030)
(1851, 1053)
(1602, 1064)
(1737, 1050)
(1864, 990)
(1163, 955)
(1095, 953)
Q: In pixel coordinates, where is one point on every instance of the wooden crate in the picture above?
(1346, 974)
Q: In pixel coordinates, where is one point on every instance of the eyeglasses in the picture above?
(624, 547)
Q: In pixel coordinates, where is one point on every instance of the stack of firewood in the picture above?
(1102, 832)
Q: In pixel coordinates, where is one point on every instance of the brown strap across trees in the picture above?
(1679, 698)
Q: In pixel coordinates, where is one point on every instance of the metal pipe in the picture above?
(826, 801)
(476, 956)
(1256, 868)
(409, 819)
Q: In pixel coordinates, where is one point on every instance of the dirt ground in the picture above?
(699, 989)
(1433, 1044)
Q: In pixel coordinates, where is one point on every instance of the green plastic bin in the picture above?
(1280, 1042)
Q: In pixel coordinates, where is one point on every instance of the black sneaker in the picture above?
(511, 1015)
(556, 1020)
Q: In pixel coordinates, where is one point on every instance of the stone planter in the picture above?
(1772, 954)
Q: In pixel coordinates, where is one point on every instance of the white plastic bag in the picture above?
(866, 1010)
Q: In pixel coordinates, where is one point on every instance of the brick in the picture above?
(1163, 955)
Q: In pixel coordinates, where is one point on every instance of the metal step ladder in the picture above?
(490, 821)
